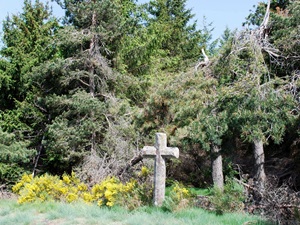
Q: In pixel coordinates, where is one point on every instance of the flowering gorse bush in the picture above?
(47, 187)
(69, 188)
(112, 191)
(144, 172)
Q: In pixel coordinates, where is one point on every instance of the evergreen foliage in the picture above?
(85, 112)
(86, 95)
(179, 40)
(28, 42)
(14, 157)
(285, 29)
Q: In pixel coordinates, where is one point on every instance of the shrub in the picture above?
(69, 188)
(178, 198)
(111, 191)
(230, 199)
(47, 187)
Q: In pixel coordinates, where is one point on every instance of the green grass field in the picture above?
(53, 213)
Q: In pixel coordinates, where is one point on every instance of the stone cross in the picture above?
(160, 151)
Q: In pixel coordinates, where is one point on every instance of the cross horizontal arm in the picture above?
(172, 152)
(151, 151)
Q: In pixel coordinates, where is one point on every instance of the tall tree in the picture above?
(81, 98)
(27, 42)
(259, 105)
(186, 107)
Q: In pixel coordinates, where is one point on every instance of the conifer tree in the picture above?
(89, 124)
(259, 105)
(27, 42)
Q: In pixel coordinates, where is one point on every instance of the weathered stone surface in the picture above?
(160, 151)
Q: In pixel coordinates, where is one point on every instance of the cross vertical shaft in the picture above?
(160, 151)
(160, 169)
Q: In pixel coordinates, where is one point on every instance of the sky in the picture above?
(222, 14)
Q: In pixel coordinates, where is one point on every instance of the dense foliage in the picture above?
(87, 94)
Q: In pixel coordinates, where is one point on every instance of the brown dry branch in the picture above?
(135, 160)
(95, 168)
(279, 203)
(259, 39)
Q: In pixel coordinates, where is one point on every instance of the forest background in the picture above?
(87, 94)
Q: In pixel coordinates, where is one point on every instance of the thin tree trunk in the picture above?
(259, 158)
(217, 167)
(92, 51)
(41, 147)
(92, 88)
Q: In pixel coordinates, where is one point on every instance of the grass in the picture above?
(54, 213)
(200, 191)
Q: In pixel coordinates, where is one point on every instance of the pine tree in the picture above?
(14, 156)
(285, 29)
(27, 42)
(81, 98)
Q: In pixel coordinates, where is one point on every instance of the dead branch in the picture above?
(263, 29)
(249, 187)
(135, 160)
(202, 63)
(279, 203)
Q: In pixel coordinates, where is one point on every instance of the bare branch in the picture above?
(202, 63)
(135, 160)
(264, 24)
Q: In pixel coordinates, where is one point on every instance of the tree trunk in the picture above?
(92, 88)
(259, 158)
(41, 147)
(92, 51)
(217, 167)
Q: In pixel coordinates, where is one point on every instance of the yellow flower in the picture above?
(108, 194)
(71, 197)
(130, 185)
(110, 204)
(144, 171)
(82, 187)
(63, 190)
(87, 197)
(26, 178)
(180, 192)
(17, 187)
(185, 191)
(100, 203)
(66, 179)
